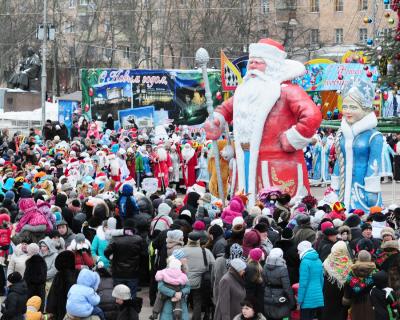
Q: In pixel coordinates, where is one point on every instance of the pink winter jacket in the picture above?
(234, 210)
(174, 277)
(32, 216)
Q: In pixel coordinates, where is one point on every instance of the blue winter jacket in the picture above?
(82, 296)
(311, 284)
(167, 310)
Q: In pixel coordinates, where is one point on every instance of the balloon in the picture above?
(366, 20)
(387, 14)
(390, 21)
(385, 96)
(91, 92)
(386, 1)
(219, 96)
(340, 76)
(361, 60)
(87, 108)
(348, 60)
(369, 74)
(370, 42)
(365, 67)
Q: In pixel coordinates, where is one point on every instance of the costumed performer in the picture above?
(358, 147)
(189, 162)
(273, 120)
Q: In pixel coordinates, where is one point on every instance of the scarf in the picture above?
(338, 264)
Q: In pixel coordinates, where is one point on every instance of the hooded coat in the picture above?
(17, 261)
(82, 296)
(392, 267)
(127, 204)
(311, 282)
(14, 307)
(234, 210)
(228, 305)
(64, 279)
(50, 257)
(291, 257)
(277, 284)
(99, 245)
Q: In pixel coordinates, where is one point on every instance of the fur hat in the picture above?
(393, 244)
(287, 234)
(237, 221)
(387, 231)
(14, 277)
(345, 229)
(218, 222)
(353, 221)
(65, 261)
(238, 264)
(122, 292)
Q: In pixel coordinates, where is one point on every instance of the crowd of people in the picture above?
(81, 234)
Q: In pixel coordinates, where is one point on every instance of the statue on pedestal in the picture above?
(28, 70)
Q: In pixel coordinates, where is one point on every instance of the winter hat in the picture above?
(164, 209)
(65, 260)
(34, 302)
(378, 217)
(25, 193)
(61, 223)
(32, 249)
(302, 219)
(353, 221)
(215, 231)
(261, 227)
(175, 235)
(338, 206)
(199, 226)
(304, 246)
(237, 221)
(217, 222)
(266, 212)
(238, 264)
(255, 211)
(186, 213)
(330, 232)
(122, 292)
(392, 244)
(364, 256)
(9, 195)
(178, 254)
(393, 207)
(79, 238)
(287, 234)
(14, 277)
(235, 251)
(387, 231)
(326, 225)
(194, 236)
(276, 253)
(366, 226)
(251, 239)
(375, 209)
(337, 223)
(381, 279)
(256, 254)
(206, 197)
(174, 263)
(359, 212)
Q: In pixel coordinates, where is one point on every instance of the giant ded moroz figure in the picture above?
(273, 120)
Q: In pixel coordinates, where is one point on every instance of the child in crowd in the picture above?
(123, 299)
(33, 308)
(383, 298)
(14, 306)
(173, 278)
(82, 298)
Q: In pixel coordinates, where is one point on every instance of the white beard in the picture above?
(187, 154)
(252, 102)
(161, 154)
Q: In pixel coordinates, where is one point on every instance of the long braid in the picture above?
(340, 158)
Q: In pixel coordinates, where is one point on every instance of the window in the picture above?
(338, 36)
(72, 3)
(285, 4)
(338, 5)
(127, 52)
(83, 2)
(314, 36)
(386, 5)
(363, 5)
(264, 6)
(314, 5)
(363, 35)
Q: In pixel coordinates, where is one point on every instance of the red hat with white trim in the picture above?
(267, 49)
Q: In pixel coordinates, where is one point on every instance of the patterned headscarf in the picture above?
(338, 264)
(236, 251)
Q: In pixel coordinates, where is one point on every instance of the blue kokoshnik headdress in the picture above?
(361, 91)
